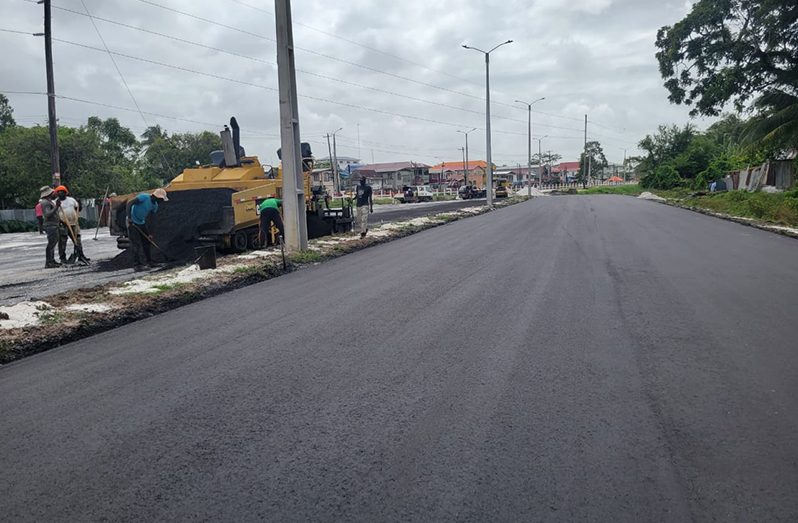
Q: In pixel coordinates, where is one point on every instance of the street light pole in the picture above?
(334, 160)
(529, 142)
(465, 165)
(489, 188)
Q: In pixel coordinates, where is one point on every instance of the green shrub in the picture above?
(17, 226)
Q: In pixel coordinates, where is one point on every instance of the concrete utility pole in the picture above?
(330, 156)
(529, 142)
(623, 165)
(584, 163)
(55, 160)
(296, 226)
(540, 162)
(489, 191)
(335, 161)
(465, 165)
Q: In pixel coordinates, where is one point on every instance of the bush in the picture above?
(17, 226)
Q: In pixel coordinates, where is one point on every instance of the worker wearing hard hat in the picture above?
(50, 216)
(138, 210)
(69, 226)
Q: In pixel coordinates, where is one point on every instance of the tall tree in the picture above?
(6, 114)
(598, 162)
(730, 50)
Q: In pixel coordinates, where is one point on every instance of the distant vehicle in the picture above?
(414, 194)
(502, 189)
(469, 192)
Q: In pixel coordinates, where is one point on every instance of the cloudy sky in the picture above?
(393, 75)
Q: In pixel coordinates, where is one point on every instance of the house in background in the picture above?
(516, 175)
(565, 172)
(452, 173)
(343, 162)
(391, 176)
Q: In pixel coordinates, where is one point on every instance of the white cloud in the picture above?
(594, 56)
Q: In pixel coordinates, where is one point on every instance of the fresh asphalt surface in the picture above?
(23, 276)
(569, 358)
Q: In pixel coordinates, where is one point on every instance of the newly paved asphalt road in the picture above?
(23, 276)
(569, 358)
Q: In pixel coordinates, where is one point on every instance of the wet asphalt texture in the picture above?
(565, 359)
(23, 276)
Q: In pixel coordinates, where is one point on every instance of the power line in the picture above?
(268, 88)
(29, 33)
(268, 62)
(317, 53)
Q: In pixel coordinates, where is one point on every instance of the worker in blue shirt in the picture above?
(138, 210)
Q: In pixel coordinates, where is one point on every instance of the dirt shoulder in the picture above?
(36, 326)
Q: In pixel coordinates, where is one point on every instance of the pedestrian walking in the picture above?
(69, 215)
(269, 210)
(365, 205)
(138, 210)
(50, 223)
(39, 216)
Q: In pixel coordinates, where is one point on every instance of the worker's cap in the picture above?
(61, 188)
(45, 191)
(112, 195)
(160, 194)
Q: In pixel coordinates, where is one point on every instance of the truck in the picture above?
(469, 192)
(216, 204)
(414, 194)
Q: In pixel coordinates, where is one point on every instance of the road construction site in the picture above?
(25, 279)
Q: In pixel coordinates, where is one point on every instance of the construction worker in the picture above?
(39, 216)
(269, 210)
(365, 205)
(138, 210)
(69, 226)
(50, 216)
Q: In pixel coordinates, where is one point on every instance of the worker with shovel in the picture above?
(138, 210)
(49, 213)
(68, 210)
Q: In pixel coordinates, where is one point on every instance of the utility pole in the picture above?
(623, 165)
(529, 140)
(330, 156)
(55, 161)
(335, 162)
(540, 166)
(584, 162)
(465, 166)
(296, 226)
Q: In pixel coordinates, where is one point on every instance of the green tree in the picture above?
(730, 50)
(6, 114)
(166, 156)
(598, 162)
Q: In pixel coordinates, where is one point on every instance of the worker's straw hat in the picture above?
(45, 191)
(160, 194)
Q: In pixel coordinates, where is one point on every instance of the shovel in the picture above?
(152, 242)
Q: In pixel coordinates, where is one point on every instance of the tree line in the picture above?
(726, 54)
(100, 155)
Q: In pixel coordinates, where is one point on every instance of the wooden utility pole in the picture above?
(296, 226)
(55, 160)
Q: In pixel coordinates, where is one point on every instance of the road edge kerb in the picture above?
(35, 343)
(750, 222)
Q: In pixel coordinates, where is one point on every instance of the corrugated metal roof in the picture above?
(392, 167)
